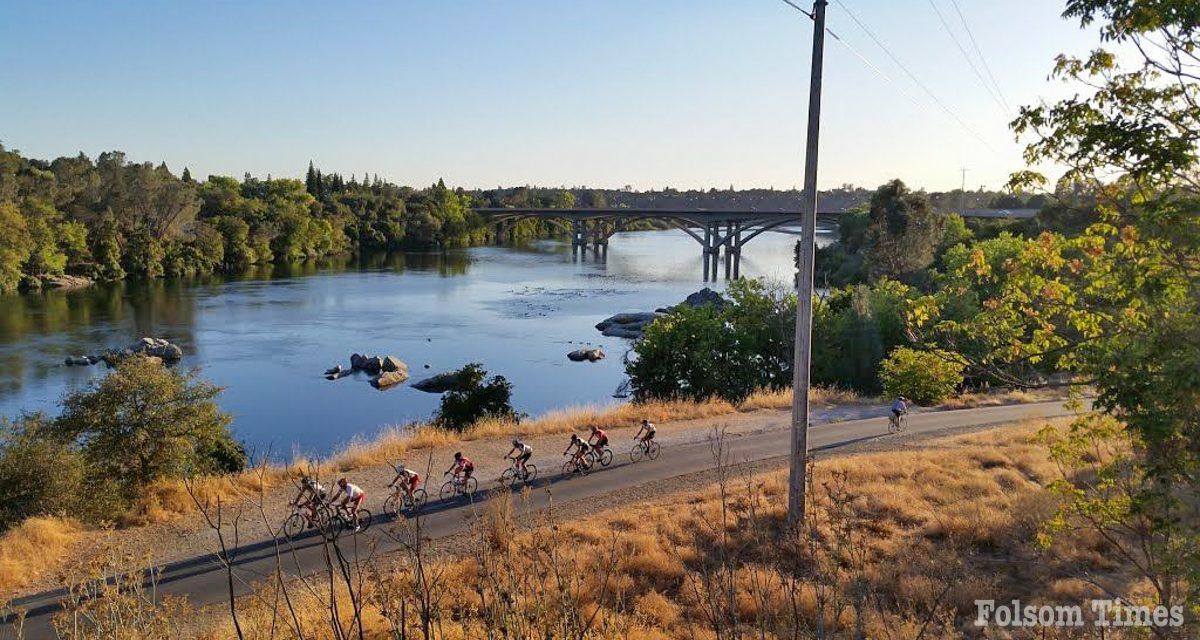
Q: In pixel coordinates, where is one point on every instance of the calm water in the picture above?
(267, 337)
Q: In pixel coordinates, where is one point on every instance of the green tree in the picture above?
(475, 398)
(144, 422)
(39, 474)
(923, 377)
(903, 234)
(16, 246)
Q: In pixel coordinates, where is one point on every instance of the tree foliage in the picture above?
(144, 422)
(924, 377)
(475, 398)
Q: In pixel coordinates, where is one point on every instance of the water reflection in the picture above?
(267, 334)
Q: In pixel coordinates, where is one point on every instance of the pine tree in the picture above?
(310, 180)
(186, 176)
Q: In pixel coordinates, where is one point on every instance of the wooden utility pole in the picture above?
(804, 282)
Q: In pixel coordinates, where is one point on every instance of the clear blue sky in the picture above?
(686, 93)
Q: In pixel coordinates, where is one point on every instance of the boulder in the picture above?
(80, 361)
(590, 355)
(158, 348)
(357, 360)
(628, 318)
(373, 365)
(389, 379)
(440, 383)
(705, 297)
(392, 363)
(65, 281)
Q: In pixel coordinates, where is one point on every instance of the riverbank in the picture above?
(167, 527)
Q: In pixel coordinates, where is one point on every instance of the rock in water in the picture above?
(392, 363)
(79, 361)
(356, 361)
(704, 297)
(389, 379)
(591, 355)
(441, 383)
(158, 348)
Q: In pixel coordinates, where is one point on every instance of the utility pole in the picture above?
(797, 481)
(962, 193)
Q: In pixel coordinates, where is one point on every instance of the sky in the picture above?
(602, 93)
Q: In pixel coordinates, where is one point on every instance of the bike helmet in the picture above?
(458, 455)
(595, 428)
(400, 468)
(516, 442)
(645, 422)
(341, 482)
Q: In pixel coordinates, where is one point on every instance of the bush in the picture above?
(145, 422)
(702, 353)
(473, 399)
(39, 474)
(921, 376)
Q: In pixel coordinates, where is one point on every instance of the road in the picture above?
(203, 579)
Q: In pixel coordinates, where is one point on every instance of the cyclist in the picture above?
(353, 500)
(598, 439)
(411, 480)
(462, 467)
(580, 448)
(520, 453)
(647, 428)
(312, 493)
(899, 408)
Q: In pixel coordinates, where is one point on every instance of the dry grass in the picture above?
(926, 531)
(1004, 396)
(170, 498)
(32, 548)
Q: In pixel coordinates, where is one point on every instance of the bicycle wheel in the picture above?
(294, 525)
(364, 519)
(509, 477)
(652, 450)
(903, 423)
(636, 453)
(530, 474)
(448, 493)
(470, 486)
(605, 457)
(568, 468)
(391, 506)
(418, 500)
(893, 424)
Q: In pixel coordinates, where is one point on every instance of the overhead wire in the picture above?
(979, 52)
(966, 56)
(932, 96)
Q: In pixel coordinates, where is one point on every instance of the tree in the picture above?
(144, 422)
(39, 474)
(16, 245)
(903, 234)
(474, 399)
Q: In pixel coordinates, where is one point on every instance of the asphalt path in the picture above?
(203, 579)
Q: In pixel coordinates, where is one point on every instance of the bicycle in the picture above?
(458, 486)
(603, 455)
(896, 422)
(644, 449)
(298, 521)
(513, 475)
(579, 463)
(341, 519)
(400, 500)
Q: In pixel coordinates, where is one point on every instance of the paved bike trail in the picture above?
(203, 579)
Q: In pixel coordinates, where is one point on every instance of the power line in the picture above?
(870, 65)
(932, 96)
(966, 56)
(979, 52)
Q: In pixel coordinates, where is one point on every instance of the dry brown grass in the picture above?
(930, 531)
(170, 498)
(1004, 396)
(32, 549)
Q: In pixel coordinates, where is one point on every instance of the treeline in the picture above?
(843, 198)
(893, 252)
(110, 219)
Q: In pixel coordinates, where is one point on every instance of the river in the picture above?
(267, 336)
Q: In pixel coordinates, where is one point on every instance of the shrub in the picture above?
(921, 376)
(39, 474)
(474, 399)
(145, 422)
(728, 353)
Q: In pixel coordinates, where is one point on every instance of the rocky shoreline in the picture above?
(632, 325)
